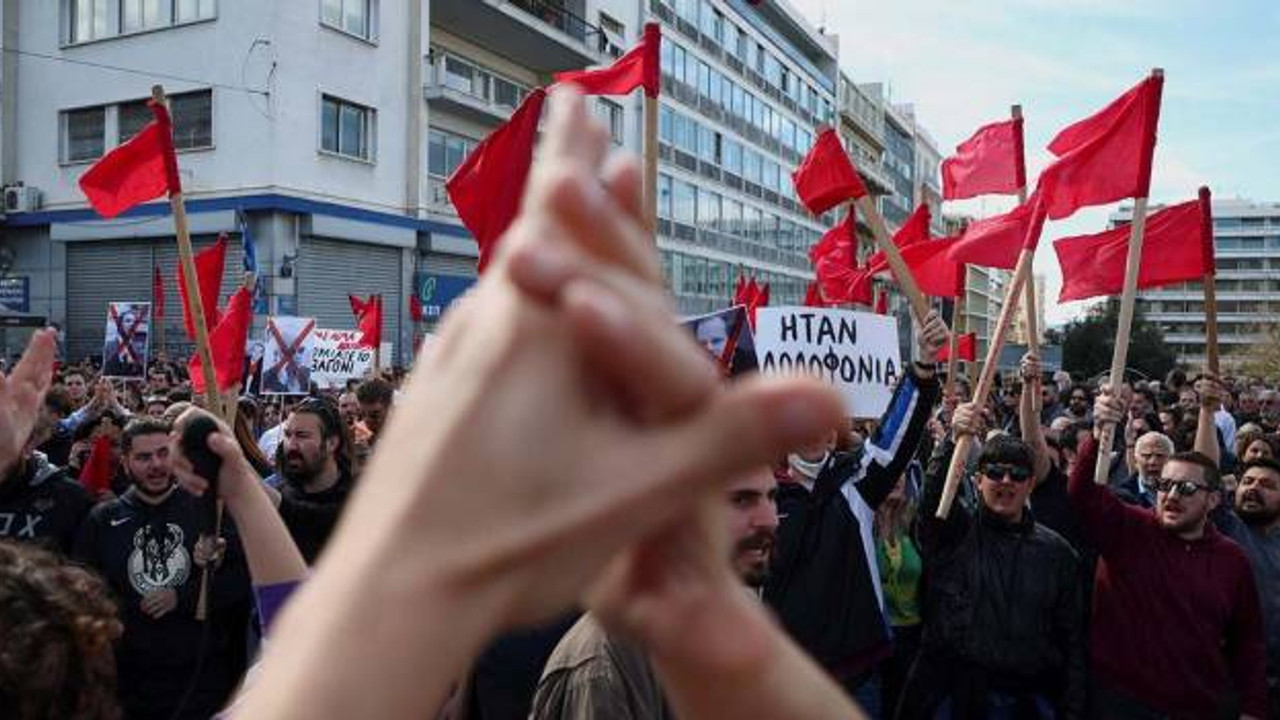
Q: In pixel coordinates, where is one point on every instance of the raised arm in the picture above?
(1106, 520)
(1209, 391)
(1029, 417)
(933, 533)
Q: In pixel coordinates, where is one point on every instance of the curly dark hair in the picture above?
(57, 626)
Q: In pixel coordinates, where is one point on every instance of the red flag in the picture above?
(739, 290)
(935, 272)
(813, 298)
(638, 68)
(996, 241)
(142, 169)
(98, 471)
(761, 299)
(157, 293)
(826, 177)
(882, 302)
(415, 308)
(1106, 156)
(357, 305)
(966, 348)
(750, 293)
(487, 187)
(226, 344)
(209, 265)
(368, 319)
(989, 162)
(914, 230)
(835, 263)
(1172, 252)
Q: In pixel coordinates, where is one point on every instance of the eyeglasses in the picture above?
(997, 473)
(1181, 488)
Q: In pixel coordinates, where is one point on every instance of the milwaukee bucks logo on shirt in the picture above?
(159, 559)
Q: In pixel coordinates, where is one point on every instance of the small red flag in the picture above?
(936, 274)
(914, 230)
(100, 468)
(996, 241)
(966, 348)
(157, 293)
(415, 308)
(226, 344)
(1106, 156)
(142, 169)
(826, 177)
(638, 68)
(1172, 252)
(740, 290)
(209, 266)
(357, 305)
(882, 302)
(487, 187)
(368, 319)
(761, 299)
(750, 293)
(992, 161)
(835, 264)
(813, 298)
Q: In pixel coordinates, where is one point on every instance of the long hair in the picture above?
(894, 516)
(249, 446)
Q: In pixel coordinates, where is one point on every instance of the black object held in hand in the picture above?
(206, 463)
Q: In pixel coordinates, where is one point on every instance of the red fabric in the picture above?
(936, 274)
(209, 266)
(226, 344)
(750, 293)
(966, 348)
(1106, 156)
(1172, 252)
(415, 308)
(740, 290)
(760, 300)
(157, 293)
(640, 67)
(991, 161)
(826, 177)
(812, 297)
(357, 305)
(914, 230)
(368, 319)
(882, 302)
(98, 471)
(835, 263)
(1206, 231)
(139, 170)
(487, 187)
(996, 241)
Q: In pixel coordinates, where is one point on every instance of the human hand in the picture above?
(209, 550)
(159, 603)
(1107, 409)
(1210, 391)
(932, 336)
(1029, 369)
(235, 476)
(966, 419)
(21, 395)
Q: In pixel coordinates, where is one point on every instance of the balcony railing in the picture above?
(447, 72)
(557, 16)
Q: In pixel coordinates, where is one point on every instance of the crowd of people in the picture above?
(567, 512)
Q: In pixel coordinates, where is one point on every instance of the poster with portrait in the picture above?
(128, 340)
(288, 348)
(726, 335)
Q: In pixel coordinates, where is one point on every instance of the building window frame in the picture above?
(90, 21)
(336, 15)
(345, 112)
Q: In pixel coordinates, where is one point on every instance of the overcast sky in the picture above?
(962, 64)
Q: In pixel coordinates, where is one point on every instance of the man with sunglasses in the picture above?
(1003, 607)
(1176, 630)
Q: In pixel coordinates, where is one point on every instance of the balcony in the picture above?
(544, 35)
(459, 86)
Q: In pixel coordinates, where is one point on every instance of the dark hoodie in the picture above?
(40, 504)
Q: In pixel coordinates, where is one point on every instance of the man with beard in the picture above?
(1255, 526)
(1176, 629)
(148, 545)
(313, 474)
(591, 674)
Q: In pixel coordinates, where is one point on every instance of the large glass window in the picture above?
(446, 151)
(138, 15)
(731, 154)
(190, 10)
(350, 16)
(89, 20)
(346, 128)
(708, 144)
(83, 134)
(708, 209)
(683, 202)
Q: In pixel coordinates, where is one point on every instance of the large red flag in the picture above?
(1172, 252)
(209, 265)
(835, 263)
(638, 68)
(157, 293)
(966, 348)
(936, 274)
(100, 468)
(991, 161)
(487, 187)
(826, 177)
(1106, 156)
(226, 344)
(812, 297)
(142, 169)
(996, 241)
(914, 230)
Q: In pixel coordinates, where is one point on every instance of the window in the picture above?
(354, 17)
(88, 20)
(664, 196)
(732, 156)
(192, 10)
(446, 151)
(708, 144)
(465, 77)
(140, 15)
(346, 128)
(708, 210)
(83, 133)
(611, 113)
(192, 119)
(507, 93)
(683, 202)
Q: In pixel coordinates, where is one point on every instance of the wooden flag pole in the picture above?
(1210, 292)
(230, 407)
(651, 163)
(1029, 305)
(902, 273)
(957, 320)
(1120, 357)
(985, 381)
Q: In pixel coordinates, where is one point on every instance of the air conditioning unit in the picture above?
(21, 198)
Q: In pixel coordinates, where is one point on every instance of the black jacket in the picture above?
(40, 504)
(825, 584)
(311, 517)
(1003, 610)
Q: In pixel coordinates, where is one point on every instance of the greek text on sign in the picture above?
(339, 357)
(855, 351)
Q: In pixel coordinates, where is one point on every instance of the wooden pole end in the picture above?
(157, 93)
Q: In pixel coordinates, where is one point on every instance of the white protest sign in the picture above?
(338, 357)
(124, 350)
(855, 351)
(286, 360)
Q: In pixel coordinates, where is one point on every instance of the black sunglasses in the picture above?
(997, 473)
(1181, 488)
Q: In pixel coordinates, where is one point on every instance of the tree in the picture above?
(1261, 360)
(1088, 343)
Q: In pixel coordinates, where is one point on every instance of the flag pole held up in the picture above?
(1033, 322)
(902, 273)
(1210, 292)
(651, 163)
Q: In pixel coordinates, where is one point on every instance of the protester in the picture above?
(1175, 627)
(313, 474)
(147, 545)
(1151, 451)
(825, 586)
(38, 502)
(898, 558)
(1003, 632)
(1077, 410)
(375, 397)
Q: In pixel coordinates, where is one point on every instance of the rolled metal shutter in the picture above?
(329, 270)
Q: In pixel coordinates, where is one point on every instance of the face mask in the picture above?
(806, 468)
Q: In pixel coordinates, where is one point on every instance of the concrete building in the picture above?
(1247, 247)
